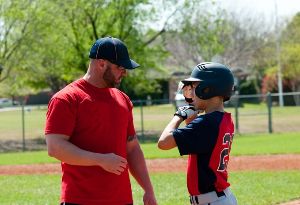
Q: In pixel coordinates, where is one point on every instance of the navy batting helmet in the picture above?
(215, 80)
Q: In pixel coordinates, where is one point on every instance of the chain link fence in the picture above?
(261, 113)
(22, 127)
(251, 114)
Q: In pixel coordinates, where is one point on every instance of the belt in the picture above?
(222, 193)
(208, 197)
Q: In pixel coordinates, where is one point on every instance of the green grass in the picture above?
(252, 119)
(36, 157)
(280, 143)
(250, 188)
(286, 143)
(152, 152)
(155, 118)
(269, 188)
(40, 157)
(30, 189)
(250, 144)
(11, 123)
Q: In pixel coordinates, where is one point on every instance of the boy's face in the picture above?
(188, 92)
(191, 97)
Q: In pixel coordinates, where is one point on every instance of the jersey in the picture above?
(98, 120)
(207, 140)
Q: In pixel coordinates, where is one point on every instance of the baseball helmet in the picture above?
(215, 80)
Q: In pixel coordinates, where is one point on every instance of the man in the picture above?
(207, 138)
(89, 128)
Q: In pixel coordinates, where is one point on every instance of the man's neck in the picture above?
(95, 82)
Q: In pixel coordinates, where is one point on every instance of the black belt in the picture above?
(195, 199)
(65, 203)
(221, 193)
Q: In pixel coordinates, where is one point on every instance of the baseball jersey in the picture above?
(98, 120)
(207, 140)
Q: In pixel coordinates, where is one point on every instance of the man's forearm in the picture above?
(65, 151)
(138, 168)
(60, 148)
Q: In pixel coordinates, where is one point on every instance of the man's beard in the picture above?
(109, 78)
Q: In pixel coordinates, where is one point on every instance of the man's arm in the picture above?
(60, 148)
(138, 169)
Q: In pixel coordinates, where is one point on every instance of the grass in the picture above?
(269, 188)
(30, 189)
(36, 157)
(11, 123)
(279, 143)
(284, 143)
(153, 119)
(250, 188)
(253, 118)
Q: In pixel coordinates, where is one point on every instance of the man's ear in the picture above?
(101, 62)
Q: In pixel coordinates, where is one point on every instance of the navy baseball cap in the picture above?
(113, 50)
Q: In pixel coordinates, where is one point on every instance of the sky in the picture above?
(285, 8)
(256, 9)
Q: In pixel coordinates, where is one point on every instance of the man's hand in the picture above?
(113, 163)
(186, 112)
(149, 199)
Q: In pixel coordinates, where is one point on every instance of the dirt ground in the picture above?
(238, 163)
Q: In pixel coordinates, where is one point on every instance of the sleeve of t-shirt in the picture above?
(197, 137)
(60, 118)
(131, 129)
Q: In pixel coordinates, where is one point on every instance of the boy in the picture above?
(206, 138)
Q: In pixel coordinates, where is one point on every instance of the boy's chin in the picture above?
(188, 100)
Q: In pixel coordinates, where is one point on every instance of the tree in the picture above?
(290, 53)
(15, 18)
(215, 35)
(289, 58)
(197, 39)
(63, 31)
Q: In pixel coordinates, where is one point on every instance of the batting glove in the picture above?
(186, 111)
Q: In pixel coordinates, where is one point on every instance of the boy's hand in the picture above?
(186, 111)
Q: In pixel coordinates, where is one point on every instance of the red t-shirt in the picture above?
(98, 120)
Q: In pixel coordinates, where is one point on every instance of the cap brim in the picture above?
(128, 64)
(134, 65)
(190, 80)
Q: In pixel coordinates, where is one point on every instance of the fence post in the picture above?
(23, 126)
(236, 108)
(269, 104)
(142, 119)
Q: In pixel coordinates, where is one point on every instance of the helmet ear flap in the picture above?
(198, 91)
(203, 90)
(206, 90)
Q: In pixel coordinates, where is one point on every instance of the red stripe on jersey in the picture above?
(192, 175)
(220, 155)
